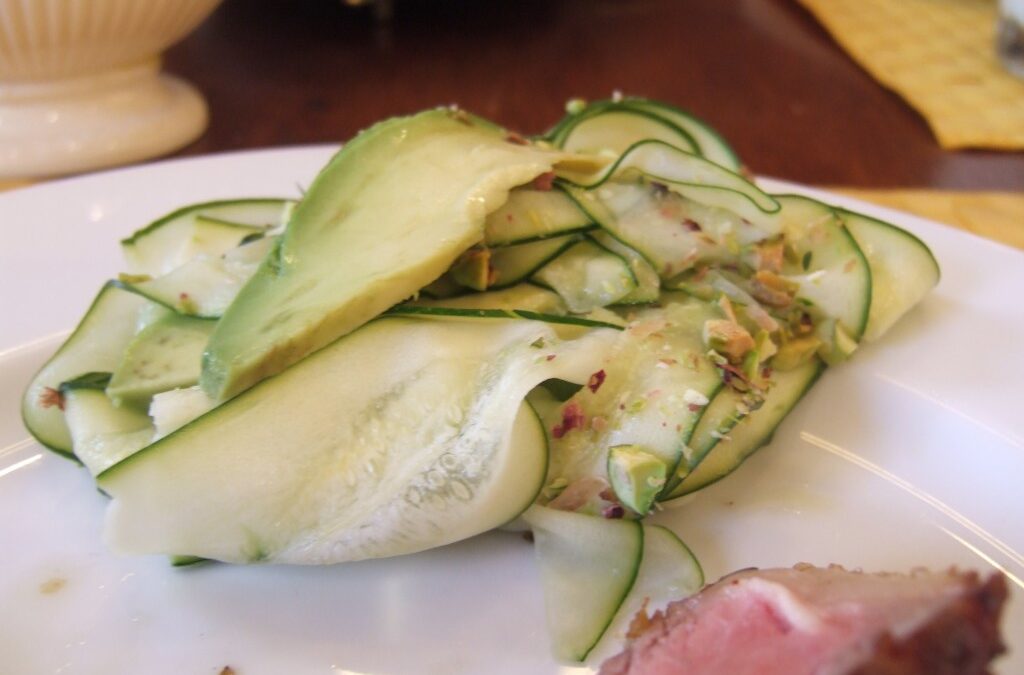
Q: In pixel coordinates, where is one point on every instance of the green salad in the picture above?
(456, 329)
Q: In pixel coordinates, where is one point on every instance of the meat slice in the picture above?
(814, 621)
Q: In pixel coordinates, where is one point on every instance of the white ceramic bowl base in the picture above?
(115, 117)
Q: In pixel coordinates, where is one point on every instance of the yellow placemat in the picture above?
(995, 215)
(939, 55)
(10, 183)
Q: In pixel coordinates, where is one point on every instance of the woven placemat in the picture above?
(939, 55)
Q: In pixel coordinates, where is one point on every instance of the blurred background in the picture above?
(764, 72)
(859, 94)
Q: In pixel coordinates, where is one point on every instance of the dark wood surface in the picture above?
(792, 103)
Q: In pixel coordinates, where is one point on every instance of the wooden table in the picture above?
(280, 72)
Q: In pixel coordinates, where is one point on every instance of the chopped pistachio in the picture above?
(837, 343)
(772, 289)
(796, 352)
(473, 269)
(728, 338)
(636, 476)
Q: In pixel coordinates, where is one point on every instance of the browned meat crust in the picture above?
(961, 640)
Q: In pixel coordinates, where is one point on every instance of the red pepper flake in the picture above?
(183, 297)
(613, 511)
(691, 225)
(50, 397)
(509, 217)
(766, 372)
(668, 362)
(693, 407)
(550, 357)
(679, 427)
(544, 182)
(515, 139)
(596, 380)
(572, 418)
(850, 265)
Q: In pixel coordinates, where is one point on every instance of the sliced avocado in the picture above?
(386, 216)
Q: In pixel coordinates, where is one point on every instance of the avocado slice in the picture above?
(386, 216)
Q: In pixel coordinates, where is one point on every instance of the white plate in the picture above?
(911, 454)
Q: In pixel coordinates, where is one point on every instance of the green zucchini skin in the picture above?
(208, 227)
(95, 345)
(501, 314)
(533, 215)
(588, 565)
(611, 139)
(695, 134)
(903, 269)
(755, 431)
(691, 175)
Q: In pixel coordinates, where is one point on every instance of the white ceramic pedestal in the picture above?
(115, 117)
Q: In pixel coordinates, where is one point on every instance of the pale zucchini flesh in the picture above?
(668, 571)
(96, 345)
(688, 175)
(210, 228)
(170, 410)
(163, 356)
(432, 447)
(648, 283)
(510, 265)
(587, 276)
(695, 135)
(903, 269)
(529, 215)
(710, 143)
(103, 434)
(827, 265)
(755, 431)
(641, 396)
(587, 567)
(614, 129)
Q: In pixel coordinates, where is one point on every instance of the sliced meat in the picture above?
(814, 621)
